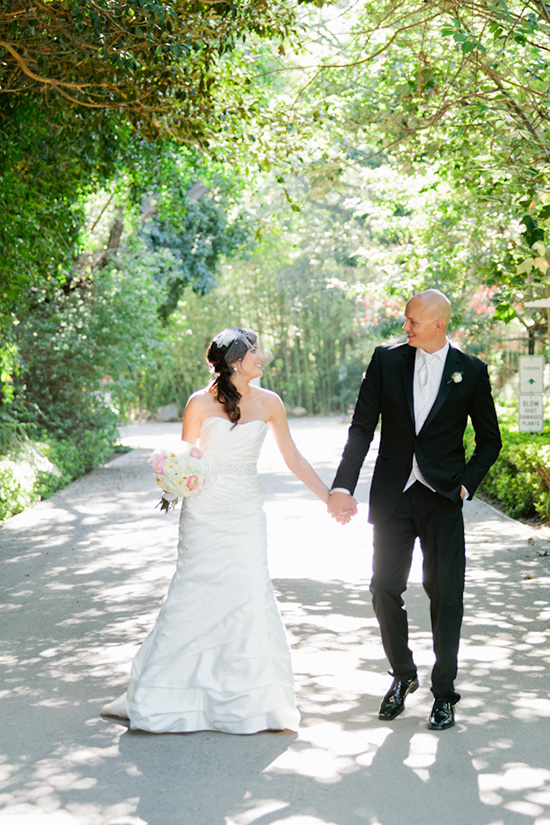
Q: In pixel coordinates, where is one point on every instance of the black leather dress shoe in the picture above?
(442, 715)
(393, 702)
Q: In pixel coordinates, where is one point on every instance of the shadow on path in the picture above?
(82, 579)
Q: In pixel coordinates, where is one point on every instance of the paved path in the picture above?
(82, 578)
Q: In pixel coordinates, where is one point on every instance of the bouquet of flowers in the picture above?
(181, 471)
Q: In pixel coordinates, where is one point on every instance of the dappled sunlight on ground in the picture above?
(83, 578)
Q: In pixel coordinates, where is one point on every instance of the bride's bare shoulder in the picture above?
(267, 393)
(269, 398)
(202, 399)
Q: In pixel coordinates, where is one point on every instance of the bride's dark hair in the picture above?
(226, 349)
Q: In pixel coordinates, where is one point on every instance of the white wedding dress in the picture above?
(217, 657)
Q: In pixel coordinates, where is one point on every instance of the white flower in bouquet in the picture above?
(180, 471)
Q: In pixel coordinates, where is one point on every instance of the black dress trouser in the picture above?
(437, 522)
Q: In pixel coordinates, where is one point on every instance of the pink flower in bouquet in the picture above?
(192, 482)
(195, 452)
(157, 464)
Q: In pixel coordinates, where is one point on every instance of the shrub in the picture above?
(20, 471)
(519, 480)
(33, 470)
(15, 489)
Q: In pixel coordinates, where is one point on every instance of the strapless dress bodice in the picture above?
(225, 444)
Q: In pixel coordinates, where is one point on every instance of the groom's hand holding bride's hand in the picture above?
(341, 506)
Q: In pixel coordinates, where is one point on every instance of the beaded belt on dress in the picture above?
(238, 469)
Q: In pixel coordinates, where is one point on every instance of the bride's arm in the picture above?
(294, 460)
(192, 418)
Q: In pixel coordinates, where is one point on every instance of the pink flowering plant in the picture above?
(180, 471)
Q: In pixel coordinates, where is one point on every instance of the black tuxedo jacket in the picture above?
(387, 393)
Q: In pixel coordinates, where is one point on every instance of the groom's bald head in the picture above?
(427, 317)
(436, 304)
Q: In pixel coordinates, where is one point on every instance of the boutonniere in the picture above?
(456, 378)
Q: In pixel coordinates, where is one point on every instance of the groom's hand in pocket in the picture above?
(341, 506)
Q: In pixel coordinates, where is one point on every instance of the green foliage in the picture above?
(181, 366)
(8, 366)
(409, 150)
(519, 481)
(156, 63)
(82, 353)
(70, 460)
(82, 350)
(32, 471)
(194, 245)
(82, 343)
(16, 486)
(46, 173)
(91, 93)
(59, 372)
(459, 91)
(308, 318)
(305, 291)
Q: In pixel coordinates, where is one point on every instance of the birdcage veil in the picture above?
(236, 342)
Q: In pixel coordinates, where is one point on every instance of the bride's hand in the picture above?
(342, 507)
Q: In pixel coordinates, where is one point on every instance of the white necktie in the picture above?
(427, 391)
(424, 373)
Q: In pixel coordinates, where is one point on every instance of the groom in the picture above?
(424, 391)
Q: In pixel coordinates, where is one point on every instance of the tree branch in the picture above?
(47, 81)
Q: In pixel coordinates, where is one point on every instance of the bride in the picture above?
(217, 657)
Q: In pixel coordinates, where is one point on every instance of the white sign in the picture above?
(531, 373)
(531, 413)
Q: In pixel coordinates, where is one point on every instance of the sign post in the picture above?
(531, 413)
(531, 399)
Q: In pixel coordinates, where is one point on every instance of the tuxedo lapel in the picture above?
(407, 371)
(451, 365)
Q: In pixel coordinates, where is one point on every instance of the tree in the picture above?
(156, 63)
(460, 89)
(90, 94)
(97, 80)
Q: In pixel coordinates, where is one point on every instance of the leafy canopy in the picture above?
(156, 62)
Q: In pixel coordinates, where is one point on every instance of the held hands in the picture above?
(342, 506)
